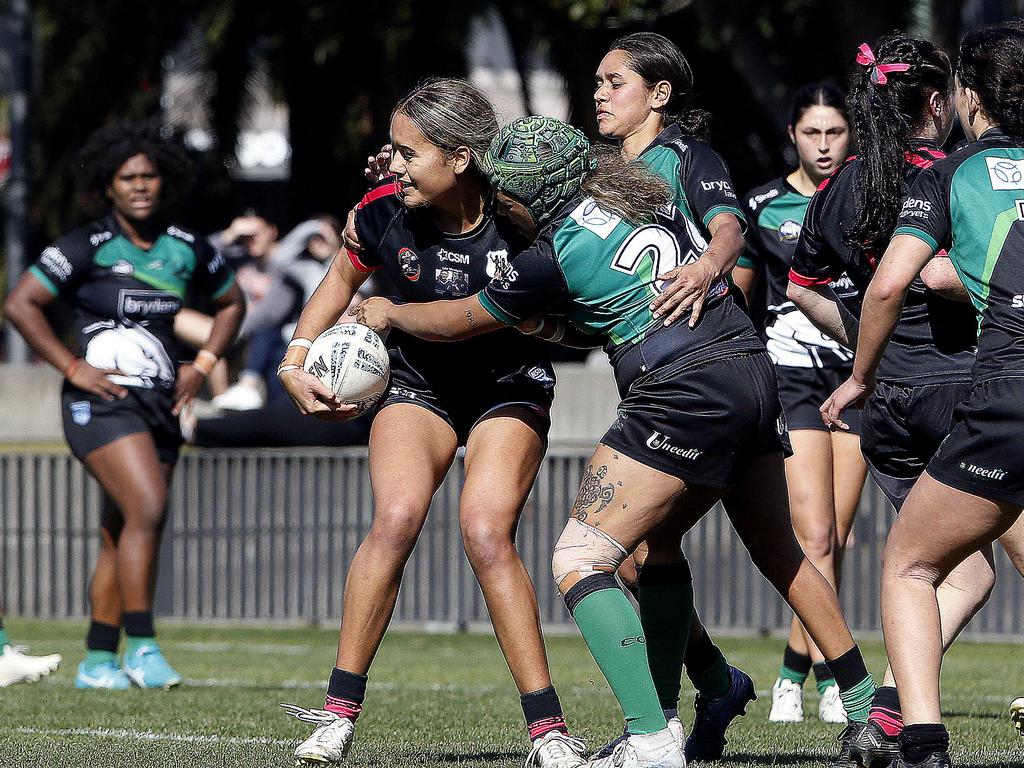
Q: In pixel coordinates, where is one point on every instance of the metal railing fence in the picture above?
(269, 534)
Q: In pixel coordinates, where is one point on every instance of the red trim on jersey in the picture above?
(917, 160)
(358, 264)
(378, 193)
(808, 282)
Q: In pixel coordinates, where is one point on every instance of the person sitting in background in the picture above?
(248, 244)
(271, 320)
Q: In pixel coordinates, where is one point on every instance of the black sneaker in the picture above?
(934, 760)
(847, 738)
(713, 716)
(872, 748)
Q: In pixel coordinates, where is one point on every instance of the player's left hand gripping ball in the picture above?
(374, 313)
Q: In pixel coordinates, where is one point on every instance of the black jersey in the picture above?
(601, 273)
(776, 213)
(426, 264)
(125, 298)
(934, 340)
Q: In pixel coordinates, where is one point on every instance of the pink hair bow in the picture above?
(866, 57)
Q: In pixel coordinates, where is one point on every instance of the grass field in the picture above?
(434, 700)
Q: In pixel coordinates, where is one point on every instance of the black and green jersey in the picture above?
(776, 215)
(701, 188)
(972, 204)
(125, 298)
(600, 273)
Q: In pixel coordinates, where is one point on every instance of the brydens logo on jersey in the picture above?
(409, 263)
(915, 208)
(1005, 173)
(135, 305)
(990, 473)
(659, 442)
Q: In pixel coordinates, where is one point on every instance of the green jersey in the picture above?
(972, 204)
(600, 272)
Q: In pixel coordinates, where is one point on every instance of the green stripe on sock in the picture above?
(665, 612)
(791, 674)
(616, 640)
(857, 700)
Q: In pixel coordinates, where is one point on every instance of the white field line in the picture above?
(270, 649)
(127, 735)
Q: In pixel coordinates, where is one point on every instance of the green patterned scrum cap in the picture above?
(540, 161)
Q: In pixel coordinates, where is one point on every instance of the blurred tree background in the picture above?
(339, 67)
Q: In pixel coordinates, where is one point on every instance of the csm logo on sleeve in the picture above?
(1005, 173)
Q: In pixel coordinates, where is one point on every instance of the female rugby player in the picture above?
(971, 491)
(432, 229)
(900, 123)
(126, 275)
(699, 420)
(645, 101)
(826, 472)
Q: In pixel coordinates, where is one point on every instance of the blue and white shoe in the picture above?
(713, 716)
(146, 666)
(102, 673)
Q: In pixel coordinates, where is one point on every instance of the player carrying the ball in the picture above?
(699, 421)
(432, 230)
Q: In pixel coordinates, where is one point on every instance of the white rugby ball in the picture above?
(352, 361)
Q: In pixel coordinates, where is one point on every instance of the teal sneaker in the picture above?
(146, 666)
(100, 670)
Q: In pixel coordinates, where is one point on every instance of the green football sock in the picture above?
(706, 667)
(616, 640)
(665, 595)
(795, 666)
(99, 657)
(856, 688)
(823, 677)
(4, 639)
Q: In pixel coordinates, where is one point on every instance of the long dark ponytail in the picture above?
(654, 57)
(992, 65)
(885, 115)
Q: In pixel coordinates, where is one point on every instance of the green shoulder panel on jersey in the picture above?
(611, 268)
(168, 265)
(665, 162)
(784, 215)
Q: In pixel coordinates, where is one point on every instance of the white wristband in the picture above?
(300, 342)
(288, 367)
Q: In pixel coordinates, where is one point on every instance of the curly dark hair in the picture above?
(109, 147)
(654, 57)
(992, 65)
(885, 117)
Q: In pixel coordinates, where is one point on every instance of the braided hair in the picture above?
(992, 65)
(654, 57)
(109, 147)
(885, 116)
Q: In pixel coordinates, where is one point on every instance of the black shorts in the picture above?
(90, 422)
(803, 390)
(463, 402)
(983, 454)
(902, 428)
(703, 424)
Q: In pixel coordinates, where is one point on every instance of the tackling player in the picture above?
(432, 229)
(972, 490)
(699, 420)
(826, 472)
(126, 276)
(644, 97)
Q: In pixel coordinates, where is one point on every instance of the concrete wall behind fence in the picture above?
(268, 535)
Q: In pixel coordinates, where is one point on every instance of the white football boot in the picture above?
(17, 667)
(787, 702)
(652, 750)
(830, 706)
(556, 750)
(675, 725)
(330, 741)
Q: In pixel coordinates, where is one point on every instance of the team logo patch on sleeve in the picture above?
(409, 263)
(1005, 173)
(81, 412)
(789, 231)
(500, 268)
